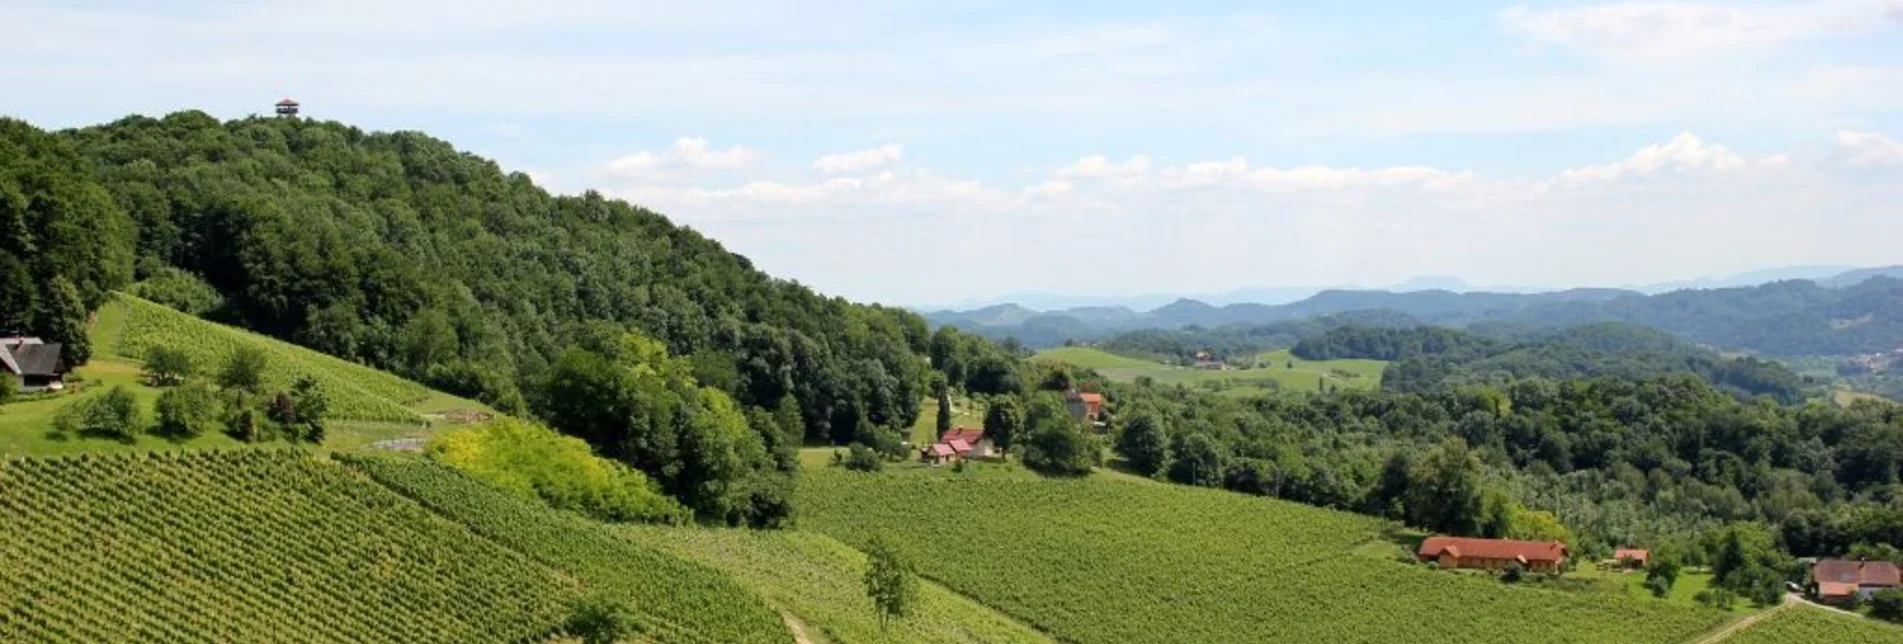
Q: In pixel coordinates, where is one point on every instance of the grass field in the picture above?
(1282, 371)
(1804, 623)
(1108, 559)
(366, 404)
(1632, 584)
(821, 581)
(1848, 397)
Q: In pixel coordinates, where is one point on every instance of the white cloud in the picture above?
(1236, 171)
(1869, 148)
(1895, 12)
(859, 160)
(1684, 154)
(686, 155)
(1098, 167)
(1656, 30)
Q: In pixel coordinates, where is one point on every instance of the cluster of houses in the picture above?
(1841, 581)
(33, 365)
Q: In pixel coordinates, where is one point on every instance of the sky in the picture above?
(927, 153)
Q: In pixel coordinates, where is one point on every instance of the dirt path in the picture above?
(1735, 627)
(797, 627)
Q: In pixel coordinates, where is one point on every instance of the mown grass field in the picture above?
(367, 405)
(1632, 584)
(1810, 624)
(1282, 371)
(1108, 559)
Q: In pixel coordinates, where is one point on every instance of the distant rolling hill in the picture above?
(1853, 312)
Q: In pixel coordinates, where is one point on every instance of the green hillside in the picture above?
(366, 404)
(822, 580)
(248, 546)
(1118, 560)
(1280, 371)
(1810, 624)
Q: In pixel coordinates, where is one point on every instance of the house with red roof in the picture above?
(976, 443)
(1085, 406)
(1837, 581)
(937, 454)
(1632, 557)
(1493, 554)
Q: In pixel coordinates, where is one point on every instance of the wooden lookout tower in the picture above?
(287, 107)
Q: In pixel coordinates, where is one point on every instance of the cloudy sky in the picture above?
(923, 153)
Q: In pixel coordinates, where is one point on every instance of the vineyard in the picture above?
(1108, 560)
(1807, 624)
(248, 546)
(821, 580)
(356, 392)
(681, 601)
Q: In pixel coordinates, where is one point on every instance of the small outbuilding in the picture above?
(1632, 558)
(33, 364)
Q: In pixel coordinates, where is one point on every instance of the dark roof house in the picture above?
(37, 365)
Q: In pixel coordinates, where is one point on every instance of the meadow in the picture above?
(1109, 559)
(1812, 624)
(367, 405)
(1279, 371)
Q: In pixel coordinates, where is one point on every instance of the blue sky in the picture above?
(923, 153)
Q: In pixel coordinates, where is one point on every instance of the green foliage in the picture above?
(534, 461)
(1144, 442)
(243, 369)
(1887, 605)
(248, 545)
(167, 366)
(599, 619)
(890, 582)
(1111, 559)
(635, 403)
(1054, 442)
(355, 392)
(944, 423)
(113, 415)
(1444, 492)
(8, 388)
(186, 412)
(1004, 421)
(1660, 575)
(1514, 573)
(671, 599)
(863, 459)
(1197, 459)
(178, 289)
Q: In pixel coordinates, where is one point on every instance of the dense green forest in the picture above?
(1663, 461)
(1434, 358)
(400, 252)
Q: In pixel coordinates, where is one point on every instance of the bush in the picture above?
(599, 619)
(114, 415)
(1514, 573)
(186, 412)
(864, 459)
(243, 369)
(534, 461)
(1887, 605)
(167, 366)
(8, 389)
(1716, 598)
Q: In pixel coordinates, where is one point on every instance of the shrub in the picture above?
(1514, 573)
(186, 412)
(599, 619)
(534, 461)
(114, 415)
(863, 459)
(243, 369)
(1887, 605)
(166, 366)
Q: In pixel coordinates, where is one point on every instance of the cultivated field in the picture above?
(1281, 371)
(1108, 559)
(1813, 624)
(821, 580)
(248, 546)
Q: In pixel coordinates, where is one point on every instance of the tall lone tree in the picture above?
(944, 412)
(1004, 421)
(890, 582)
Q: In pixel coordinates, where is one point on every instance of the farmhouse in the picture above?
(1632, 558)
(32, 364)
(1838, 580)
(1493, 554)
(978, 445)
(1084, 406)
(1206, 359)
(936, 454)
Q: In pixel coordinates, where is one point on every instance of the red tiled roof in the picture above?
(958, 446)
(1543, 551)
(1090, 398)
(941, 449)
(287, 102)
(1863, 573)
(1634, 554)
(1835, 589)
(967, 434)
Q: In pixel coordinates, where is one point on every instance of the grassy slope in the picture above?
(1301, 375)
(822, 581)
(1809, 624)
(129, 548)
(1112, 560)
(367, 404)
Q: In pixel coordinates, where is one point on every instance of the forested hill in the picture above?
(398, 250)
(1428, 359)
(1860, 312)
